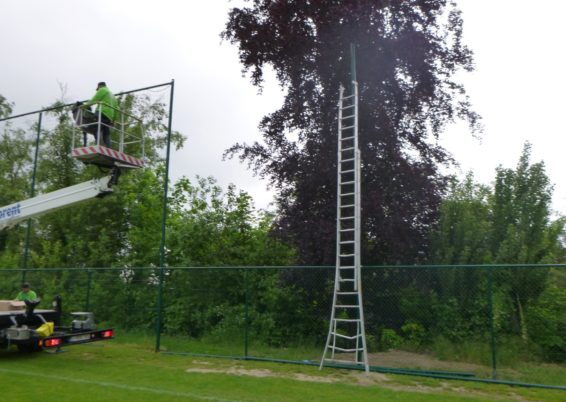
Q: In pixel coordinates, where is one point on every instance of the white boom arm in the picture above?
(20, 211)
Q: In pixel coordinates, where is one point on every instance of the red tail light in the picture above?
(107, 334)
(49, 343)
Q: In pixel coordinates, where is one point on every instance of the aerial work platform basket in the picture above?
(126, 148)
(106, 157)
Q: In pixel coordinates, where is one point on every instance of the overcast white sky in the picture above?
(518, 86)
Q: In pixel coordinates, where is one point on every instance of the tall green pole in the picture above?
(32, 194)
(246, 314)
(353, 64)
(88, 283)
(159, 318)
(492, 324)
(353, 76)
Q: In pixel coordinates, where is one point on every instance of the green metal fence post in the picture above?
(32, 194)
(246, 316)
(353, 64)
(88, 282)
(159, 318)
(492, 324)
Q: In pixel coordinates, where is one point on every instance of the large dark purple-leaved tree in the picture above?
(407, 55)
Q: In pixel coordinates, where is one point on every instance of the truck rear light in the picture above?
(49, 343)
(107, 333)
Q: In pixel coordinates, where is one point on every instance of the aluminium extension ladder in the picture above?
(346, 335)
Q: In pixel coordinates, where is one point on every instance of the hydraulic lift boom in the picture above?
(14, 213)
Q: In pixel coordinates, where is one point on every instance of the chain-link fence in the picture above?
(505, 322)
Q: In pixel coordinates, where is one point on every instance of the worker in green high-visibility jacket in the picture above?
(26, 293)
(106, 111)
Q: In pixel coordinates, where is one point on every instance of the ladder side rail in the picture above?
(357, 194)
(358, 343)
(339, 193)
(334, 338)
(332, 323)
(362, 325)
(357, 235)
(359, 275)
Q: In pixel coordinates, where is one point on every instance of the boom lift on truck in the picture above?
(17, 212)
(20, 323)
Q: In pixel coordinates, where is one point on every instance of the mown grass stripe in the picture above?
(119, 386)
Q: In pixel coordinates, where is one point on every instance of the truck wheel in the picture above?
(29, 347)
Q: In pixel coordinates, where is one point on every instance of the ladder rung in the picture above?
(347, 230)
(344, 349)
(349, 362)
(347, 266)
(348, 117)
(347, 206)
(347, 242)
(347, 107)
(347, 194)
(347, 138)
(344, 218)
(340, 361)
(347, 306)
(347, 149)
(346, 336)
(345, 362)
(347, 97)
(347, 127)
(347, 280)
(347, 160)
(347, 182)
(348, 171)
(347, 255)
(346, 294)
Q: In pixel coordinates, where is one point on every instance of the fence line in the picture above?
(481, 320)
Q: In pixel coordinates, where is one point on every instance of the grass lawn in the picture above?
(130, 371)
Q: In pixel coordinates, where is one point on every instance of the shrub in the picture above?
(413, 333)
(389, 339)
(547, 323)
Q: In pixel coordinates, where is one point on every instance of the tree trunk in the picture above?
(522, 323)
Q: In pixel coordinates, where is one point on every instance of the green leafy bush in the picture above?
(547, 323)
(389, 339)
(413, 333)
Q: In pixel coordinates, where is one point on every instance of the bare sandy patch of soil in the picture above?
(403, 359)
(261, 373)
(360, 378)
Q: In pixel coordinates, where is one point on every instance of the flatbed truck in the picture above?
(23, 328)
(20, 328)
